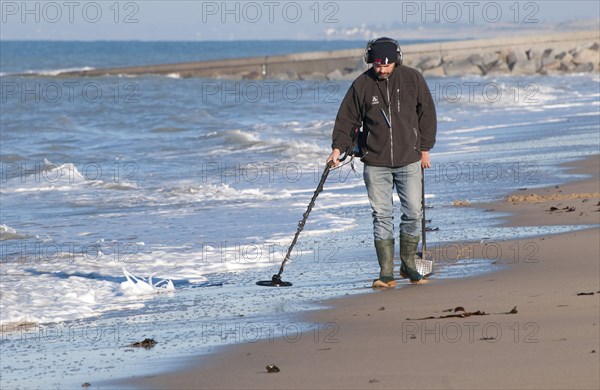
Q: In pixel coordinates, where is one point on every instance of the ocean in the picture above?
(148, 207)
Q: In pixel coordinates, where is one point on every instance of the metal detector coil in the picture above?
(274, 282)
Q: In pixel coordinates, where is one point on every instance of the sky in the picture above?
(271, 19)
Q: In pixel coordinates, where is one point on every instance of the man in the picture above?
(393, 105)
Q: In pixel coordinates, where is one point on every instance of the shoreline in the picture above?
(543, 53)
(373, 340)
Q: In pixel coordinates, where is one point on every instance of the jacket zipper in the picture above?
(389, 107)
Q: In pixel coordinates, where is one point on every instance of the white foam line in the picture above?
(585, 114)
(346, 203)
(503, 126)
(55, 72)
(328, 187)
(471, 141)
(565, 105)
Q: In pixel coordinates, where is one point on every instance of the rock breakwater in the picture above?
(575, 52)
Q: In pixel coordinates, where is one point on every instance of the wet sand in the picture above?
(540, 326)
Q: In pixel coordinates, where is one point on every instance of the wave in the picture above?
(7, 230)
(138, 286)
(55, 291)
(56, 72)
(319, 127)
(221, 192)
(445, 118)
(48, 298)
(502, 126)
(57, 177)
(8, 233)
(468, 141)
(294, 149)
(241, 138)
(303, 151)
(48, 72)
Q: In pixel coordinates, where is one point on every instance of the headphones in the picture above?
(367, 56)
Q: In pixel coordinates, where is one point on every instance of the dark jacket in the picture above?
(408, 107)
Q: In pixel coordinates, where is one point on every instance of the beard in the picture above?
(383, 75)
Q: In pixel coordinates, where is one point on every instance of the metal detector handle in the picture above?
(350, 150)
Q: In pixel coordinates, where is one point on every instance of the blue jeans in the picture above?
(380, 182)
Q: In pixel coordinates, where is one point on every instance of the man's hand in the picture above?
(334, 157)
(425, 162)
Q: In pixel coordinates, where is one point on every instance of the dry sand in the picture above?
(377, 340)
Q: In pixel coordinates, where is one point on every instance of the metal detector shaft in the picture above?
(276, 279)
(306, 213)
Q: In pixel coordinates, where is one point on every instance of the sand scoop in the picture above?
(424, 262)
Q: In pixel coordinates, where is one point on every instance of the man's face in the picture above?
(383, 71)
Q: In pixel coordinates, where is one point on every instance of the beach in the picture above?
(540, 327)
(122, 221)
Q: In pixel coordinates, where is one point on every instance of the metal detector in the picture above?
(276, 279)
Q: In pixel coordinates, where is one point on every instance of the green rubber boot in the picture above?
(408, 250)
(385, 257)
